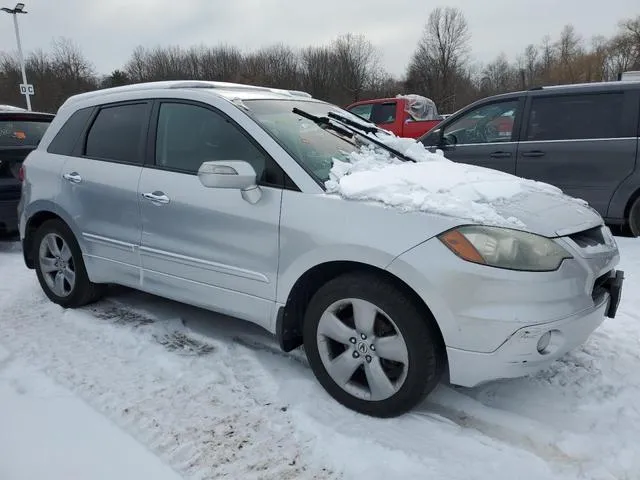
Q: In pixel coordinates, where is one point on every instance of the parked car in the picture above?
(580, 138)
(407, 116)
(216, 195)
(20, 132)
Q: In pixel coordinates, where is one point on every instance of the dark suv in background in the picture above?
(580, 138)
(20, 133)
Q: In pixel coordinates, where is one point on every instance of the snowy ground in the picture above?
(138, 387)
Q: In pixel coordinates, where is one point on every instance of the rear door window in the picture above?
(576, 117)
(383, 113)
(118, 133)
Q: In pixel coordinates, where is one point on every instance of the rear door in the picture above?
(583, 143)
(100, 190)
(486, 135)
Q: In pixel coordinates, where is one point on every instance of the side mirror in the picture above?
(448, 141)
(234, 174)
(432, 139)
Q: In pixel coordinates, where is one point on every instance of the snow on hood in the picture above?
(433, 184)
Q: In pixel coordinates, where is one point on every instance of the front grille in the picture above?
(589, 238)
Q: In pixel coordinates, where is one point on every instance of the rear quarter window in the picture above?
(67, 137)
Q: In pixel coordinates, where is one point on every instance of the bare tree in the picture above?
(318, 74)
(222, 63)
(631, 30)
(499, 76)
(569, 49)
(275, 66)
(441, 55)
(356, 61)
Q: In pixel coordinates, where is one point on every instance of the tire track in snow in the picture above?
(197, 411)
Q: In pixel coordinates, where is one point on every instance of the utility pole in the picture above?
(25, 88)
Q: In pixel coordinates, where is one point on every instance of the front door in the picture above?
(202, 245)
(485, 136)
(582, 143)
(99, 192)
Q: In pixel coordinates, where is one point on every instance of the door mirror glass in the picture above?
(449, 140)
(235, 174)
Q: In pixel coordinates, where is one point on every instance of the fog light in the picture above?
(543, 343)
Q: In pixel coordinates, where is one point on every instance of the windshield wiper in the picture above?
(344, 124)
(352, 123)
(323, 122)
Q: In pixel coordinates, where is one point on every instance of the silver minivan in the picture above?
(394, 267)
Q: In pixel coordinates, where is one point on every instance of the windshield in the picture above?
(21, 133)
(312, 145)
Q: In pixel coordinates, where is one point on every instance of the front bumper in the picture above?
(519, 355)
(491, 319)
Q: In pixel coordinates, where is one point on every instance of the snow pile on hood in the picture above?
(433, 184)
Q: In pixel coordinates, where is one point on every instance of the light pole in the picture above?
(19, 8)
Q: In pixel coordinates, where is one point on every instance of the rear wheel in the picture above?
(634, 218)
(60, 267)
(370, 346)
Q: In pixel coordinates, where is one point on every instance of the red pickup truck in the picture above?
(405, 115)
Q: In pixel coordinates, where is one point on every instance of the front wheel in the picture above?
(370, 346)
(60, 267)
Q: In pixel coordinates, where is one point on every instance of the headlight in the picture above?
(505, 248)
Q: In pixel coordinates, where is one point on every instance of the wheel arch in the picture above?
(32, 225)
(290, 316)
(37, 215)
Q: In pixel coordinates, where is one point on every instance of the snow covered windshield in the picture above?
(314, 146)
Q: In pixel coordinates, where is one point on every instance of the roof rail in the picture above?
(171, 84)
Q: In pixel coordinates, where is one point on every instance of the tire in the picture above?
(413, 372)
(75, 294)
(634, 219)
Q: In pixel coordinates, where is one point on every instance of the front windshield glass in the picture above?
(313, 146)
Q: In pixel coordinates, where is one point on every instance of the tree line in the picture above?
(346, 70)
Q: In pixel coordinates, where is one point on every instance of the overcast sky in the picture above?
(108, 30)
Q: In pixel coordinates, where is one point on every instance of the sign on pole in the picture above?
(26, 89)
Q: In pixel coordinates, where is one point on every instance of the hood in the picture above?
(549, 214)
(467, 193)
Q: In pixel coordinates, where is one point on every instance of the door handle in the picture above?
(156, 197)
(533, 153)
(500, 155)
(73, 177)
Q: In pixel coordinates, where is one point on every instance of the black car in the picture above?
(583, 139)
(20, 133)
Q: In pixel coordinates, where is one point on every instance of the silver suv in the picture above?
(261, 204)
